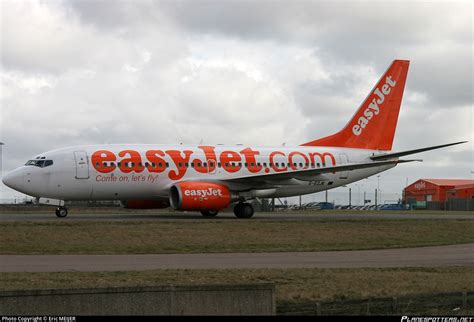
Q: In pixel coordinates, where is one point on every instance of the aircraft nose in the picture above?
(13, 179)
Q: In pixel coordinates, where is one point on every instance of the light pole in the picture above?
(378, 192)
(1, 156)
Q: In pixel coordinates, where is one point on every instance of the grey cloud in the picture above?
(259, 73)
(432, 35)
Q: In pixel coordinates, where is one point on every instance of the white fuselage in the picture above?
(139, 171)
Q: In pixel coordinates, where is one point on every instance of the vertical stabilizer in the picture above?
(373, 125)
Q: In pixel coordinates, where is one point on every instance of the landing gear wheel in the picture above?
(61, 212)
(243, 210)
(209, 213)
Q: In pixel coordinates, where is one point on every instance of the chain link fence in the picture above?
(457, 303)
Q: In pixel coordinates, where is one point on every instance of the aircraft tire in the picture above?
(209, 213)
(61, 212)
(243, 210)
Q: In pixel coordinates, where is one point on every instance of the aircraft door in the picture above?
(82, 165)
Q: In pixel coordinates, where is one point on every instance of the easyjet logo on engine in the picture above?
(203, 193)
(374, 106)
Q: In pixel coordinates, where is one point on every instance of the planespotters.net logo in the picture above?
(210, 192)
(374, 106)
(437, 319)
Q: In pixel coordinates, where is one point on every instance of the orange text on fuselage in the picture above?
(178, 162)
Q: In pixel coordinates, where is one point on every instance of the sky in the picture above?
(251, 72)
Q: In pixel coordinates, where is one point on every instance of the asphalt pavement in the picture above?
(185, 216)
(433, 256)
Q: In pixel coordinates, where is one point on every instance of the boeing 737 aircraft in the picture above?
(209, 178)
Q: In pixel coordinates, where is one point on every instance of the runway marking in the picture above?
(432, 256)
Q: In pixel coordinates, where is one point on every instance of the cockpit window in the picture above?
(40, 163)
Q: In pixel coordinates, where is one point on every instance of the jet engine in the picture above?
(200, 196)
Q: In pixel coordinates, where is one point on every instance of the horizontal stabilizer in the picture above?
(386, 156)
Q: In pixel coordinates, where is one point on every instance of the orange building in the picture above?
(438, 190)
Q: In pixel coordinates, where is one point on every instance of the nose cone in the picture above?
(13, 179)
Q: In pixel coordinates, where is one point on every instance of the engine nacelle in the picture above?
(144, 204)
(199, 196)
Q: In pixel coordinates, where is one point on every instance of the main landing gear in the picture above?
(209, 213)
(243, 210)
(61, 212)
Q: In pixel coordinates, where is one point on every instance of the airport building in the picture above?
(440, 194)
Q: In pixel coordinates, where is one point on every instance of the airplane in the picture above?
(209, 178)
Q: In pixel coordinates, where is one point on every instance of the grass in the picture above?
(292, 285)
(206, 236)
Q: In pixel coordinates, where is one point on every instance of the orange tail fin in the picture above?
(373, 125)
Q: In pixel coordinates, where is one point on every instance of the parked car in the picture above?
(322, 205)
(392, 206)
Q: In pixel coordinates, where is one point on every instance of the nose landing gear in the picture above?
(61, 212)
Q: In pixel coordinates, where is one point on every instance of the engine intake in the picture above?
(199, 196)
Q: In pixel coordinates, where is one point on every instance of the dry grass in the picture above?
(292, 285)
(204, 236)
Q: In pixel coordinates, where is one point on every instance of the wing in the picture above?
(293, 177)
